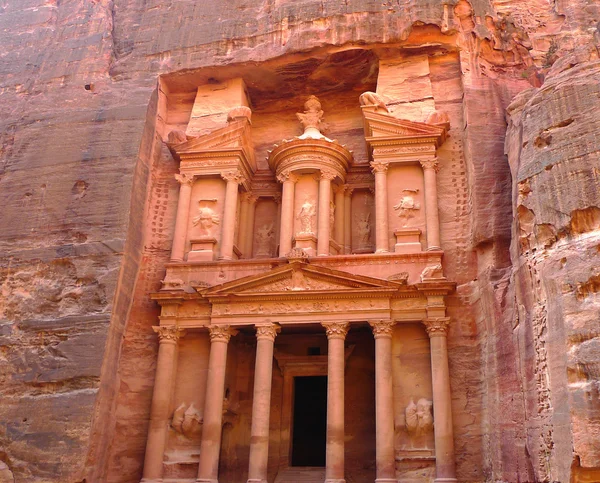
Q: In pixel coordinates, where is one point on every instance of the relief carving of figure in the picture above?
(419, 417)
(407, 206)
(331, 217)
(264, 236)
(312, 115)
(186, 421)
(206, 217)
(363, 227)
(306, 216)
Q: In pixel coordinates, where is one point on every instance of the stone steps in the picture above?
(304, 474)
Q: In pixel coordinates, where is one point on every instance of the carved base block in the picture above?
(407, 240)
(202, 249)
(307, 242)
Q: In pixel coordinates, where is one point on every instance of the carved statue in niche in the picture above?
(363, 227)
(331, 217)
(264, 236)
(407, 206)
(419, 417)
(306, 216)
(187, 421)
(206, 217)
(312, 115)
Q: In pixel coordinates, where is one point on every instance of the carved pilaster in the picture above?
(336, 330)
(168, 333)
(268, 330)
(382, 328)
(437, 327)
(221, 333)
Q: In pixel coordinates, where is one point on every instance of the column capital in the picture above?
(348, 190)
(430, 164)
(221, 333)
(382, 328)
(277, 198)
(168, 333)
(267, 330)
(249, 198)
(437, 327)
(327, 174)
(184, 179)
(232, 175)
(379, 166)
(336, 330)
(287, 175)
(339, 189)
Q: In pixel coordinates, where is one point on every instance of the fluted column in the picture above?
(287, 212)
(233, 179)
(334, 455)
(261, 403)
(168, 337)
(248, 235)
(348, 220)
(430, 169)
(183, 212)
(340, 210)
(323, 226)
(210, 445)
(381, 202)
(243, 231)
(437, 329)
(384, 402)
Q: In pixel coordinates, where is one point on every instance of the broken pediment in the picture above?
(298, 277)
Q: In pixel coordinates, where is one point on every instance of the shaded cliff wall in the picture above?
(80, 142)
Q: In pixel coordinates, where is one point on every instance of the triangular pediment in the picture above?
(237, 135)
(302, 278)
(378, 125)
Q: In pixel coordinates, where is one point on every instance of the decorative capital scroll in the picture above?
(287, 175)
(382, 328)
(267, 330)
(232, 175)
(336, 330)
(221, 333)
(328, 174)
(437, 327)
(430, 164)
(249, 198)
(379, 166)
(168, 333)
(184, 179)
(348, 191)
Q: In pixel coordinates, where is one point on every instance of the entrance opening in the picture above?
(310, 421)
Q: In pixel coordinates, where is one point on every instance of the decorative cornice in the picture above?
(184, 179)
(437, 327)
(382, 328)
(168, 333)
(379, 166)
(336, 330)
(267, 330)
(221, 333)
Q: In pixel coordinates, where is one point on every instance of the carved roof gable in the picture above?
(299, 277)
(379, 125)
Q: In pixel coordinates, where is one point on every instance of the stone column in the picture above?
(437, 329)
(323, 228)
(286, 230)
(161, 402)
(261, 403)
(381, 202)
(248, 235)
(348, 220)
(210, 445)
(243, 231)
(430, 168)
(233, 179)
(340, 210)
(183, 212)
(384, 402)
(334, 456)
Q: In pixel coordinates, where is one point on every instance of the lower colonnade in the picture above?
(266, 332)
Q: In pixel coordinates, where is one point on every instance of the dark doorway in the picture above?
(310, 421)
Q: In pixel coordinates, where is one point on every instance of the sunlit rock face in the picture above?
(97, 99)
